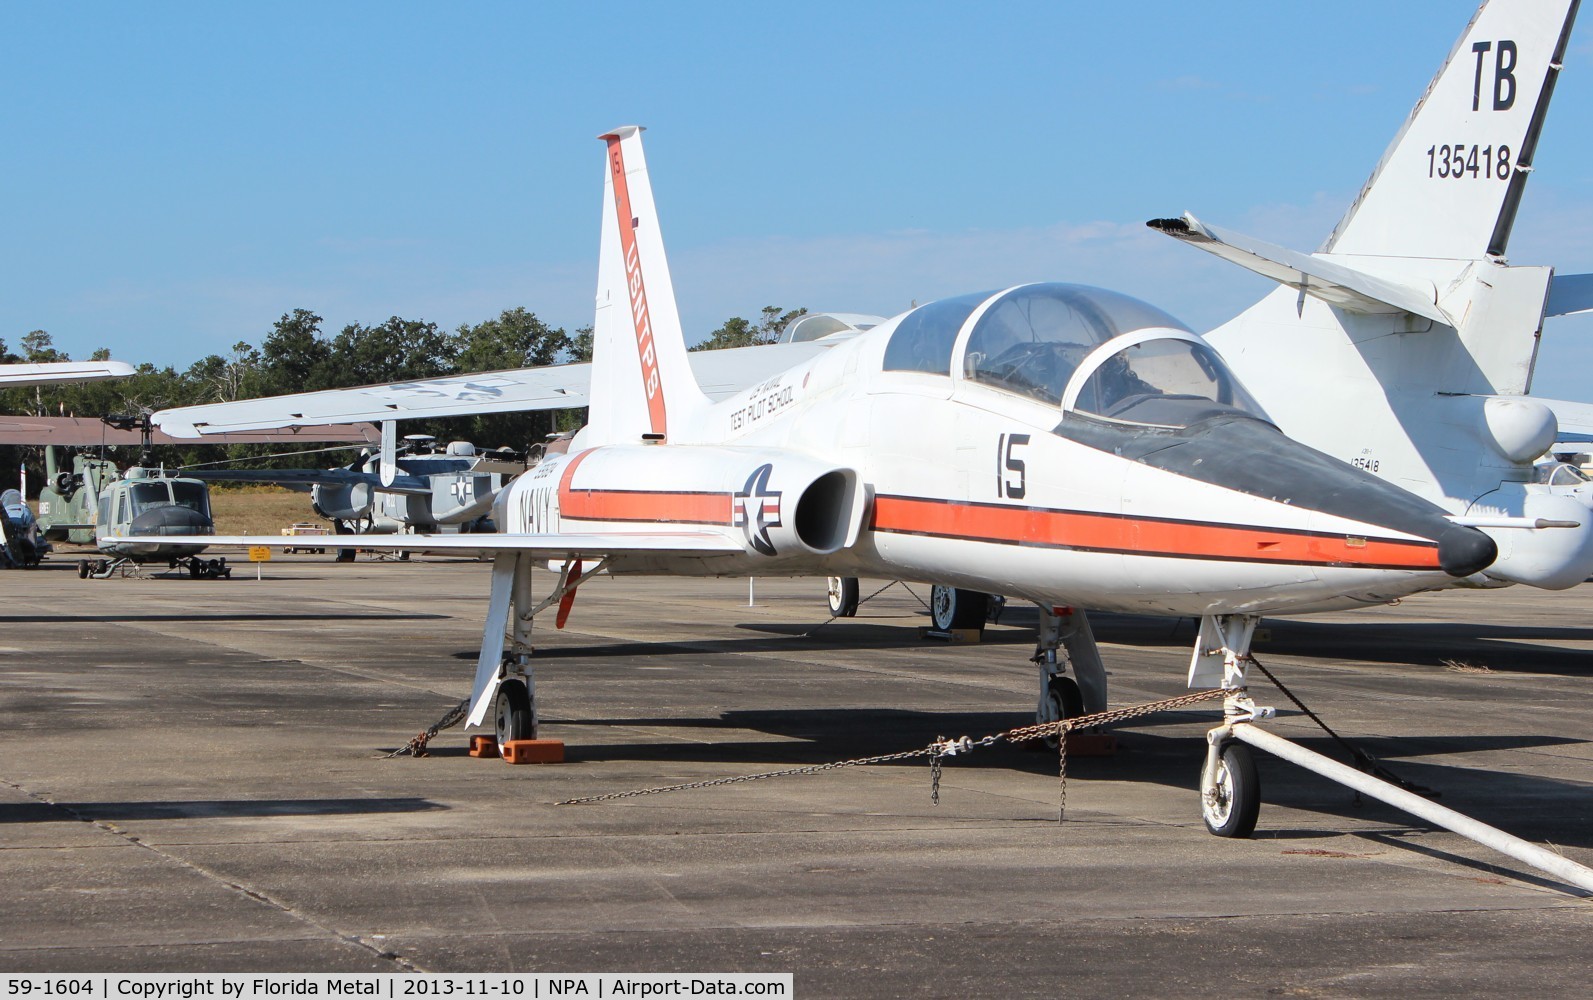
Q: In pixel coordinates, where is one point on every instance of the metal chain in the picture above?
(1115, 715)
(860, 603)
(942, 748)
(936, 749)
(1062, 773)
(417, 746)
(1363, 761)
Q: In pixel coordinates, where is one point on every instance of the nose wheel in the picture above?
(1230, 792)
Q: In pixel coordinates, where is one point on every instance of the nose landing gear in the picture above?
(1230, 791)
(1230, 788)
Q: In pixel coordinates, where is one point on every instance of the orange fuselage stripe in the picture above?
(645, 505)
(660, 506)
(1143, 536)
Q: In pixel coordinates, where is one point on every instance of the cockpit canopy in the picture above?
(154, 493)
(1086, 349)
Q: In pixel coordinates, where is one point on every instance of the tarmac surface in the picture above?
(190, 780)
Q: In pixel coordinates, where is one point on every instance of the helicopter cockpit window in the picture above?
(1167, 381)
(923, 340)
(148, 495)
(1562, 475)
(192, 495)
(1032, 340)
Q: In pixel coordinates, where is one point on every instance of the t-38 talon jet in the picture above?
(1406, 344)
(1056, 442)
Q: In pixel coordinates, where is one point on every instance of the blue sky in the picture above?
(174, 177)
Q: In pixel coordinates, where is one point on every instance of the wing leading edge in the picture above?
(558, 387)
(573, 545)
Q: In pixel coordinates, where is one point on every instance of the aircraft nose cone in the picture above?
(170, 521)
(1463, 551)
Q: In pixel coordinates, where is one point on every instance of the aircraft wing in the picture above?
(1576, 419)
(63, 371)
(1570, 293)
(87, 431)
(313, 477)
(1346, 287)
(575, 545)
(557, 387)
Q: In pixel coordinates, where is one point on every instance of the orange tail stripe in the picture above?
(1105, 532)
(636, 289)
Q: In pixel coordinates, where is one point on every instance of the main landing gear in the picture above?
(512, 715)
(505, 682)
(198, 569)
(1073, 683)
(1066, 639)
(843, 593)
(204, 569)
(954, 608)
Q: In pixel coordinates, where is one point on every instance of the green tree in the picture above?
(220, 379)
(294, 356)
(581, 344)
(739, 332)
(393, 351)
(39, 348)
(515, 339)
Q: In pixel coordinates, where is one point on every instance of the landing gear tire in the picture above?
(1062, 700)
(843, 596)
(193, 569)
(951, 608)
(1233, 805)
(512, 718)
(82, 569)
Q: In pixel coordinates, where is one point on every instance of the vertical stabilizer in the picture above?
(1450, 184)
(642, 383)
(1413, 393)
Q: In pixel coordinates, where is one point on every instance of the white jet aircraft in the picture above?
(53, 372)
(1405, 345)
(1060, 443)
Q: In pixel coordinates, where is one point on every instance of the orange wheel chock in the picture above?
(533, 752)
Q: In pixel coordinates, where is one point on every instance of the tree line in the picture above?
(298, 356)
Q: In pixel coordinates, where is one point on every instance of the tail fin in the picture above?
(642, 384)
(1449, 185)
(1389, 347)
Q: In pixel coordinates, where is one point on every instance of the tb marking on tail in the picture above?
(1504, 77)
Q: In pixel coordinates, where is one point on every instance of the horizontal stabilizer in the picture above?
(1575, 419)
(1570, 293)
(554, 546)
(557, 387)
(1346, 287)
